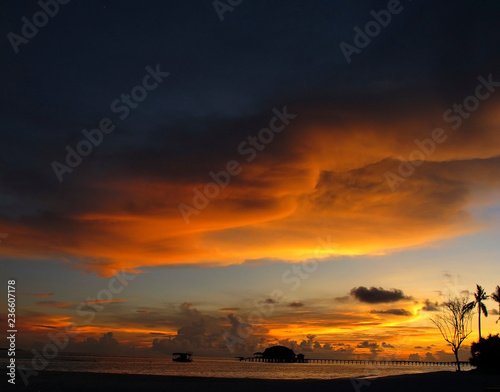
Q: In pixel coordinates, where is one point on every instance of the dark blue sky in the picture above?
(225, 77)
(321, 179)
(263, 52)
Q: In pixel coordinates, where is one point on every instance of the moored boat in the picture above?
(182, 357)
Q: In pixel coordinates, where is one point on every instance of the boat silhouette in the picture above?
(182, 357)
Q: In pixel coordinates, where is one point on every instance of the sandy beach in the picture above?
(97, 382)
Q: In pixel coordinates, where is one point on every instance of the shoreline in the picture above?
(57, 381)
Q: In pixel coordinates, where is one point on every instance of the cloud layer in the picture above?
(324, 175)
(375, 295)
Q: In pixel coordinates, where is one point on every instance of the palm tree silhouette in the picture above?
(480, 296)
(495, 296)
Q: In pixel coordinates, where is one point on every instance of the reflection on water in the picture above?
(222, 367)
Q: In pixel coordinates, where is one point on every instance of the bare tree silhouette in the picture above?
(454, 322)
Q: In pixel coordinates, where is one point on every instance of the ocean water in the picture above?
(223, 367)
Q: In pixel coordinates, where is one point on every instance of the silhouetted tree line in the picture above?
(454, 323)
(486, 355)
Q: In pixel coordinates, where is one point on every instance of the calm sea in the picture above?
(223, 367)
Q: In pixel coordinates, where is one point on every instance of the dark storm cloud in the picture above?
(296, 304)
(395, 312)
(375, 295)
(225, 79)
(372, 346)
(107, 343)
(430, 306)
(294, 53)
(314, 347)
(200, 333)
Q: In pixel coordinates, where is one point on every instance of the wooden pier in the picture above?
(358, 362)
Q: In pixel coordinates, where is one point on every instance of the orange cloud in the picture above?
(346, 324)
(323, 177)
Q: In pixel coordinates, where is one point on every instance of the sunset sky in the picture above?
(254, 184)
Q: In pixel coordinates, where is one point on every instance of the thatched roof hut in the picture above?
(279, 354)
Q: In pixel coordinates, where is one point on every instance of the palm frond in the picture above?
(496, 294)
(482, 308)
